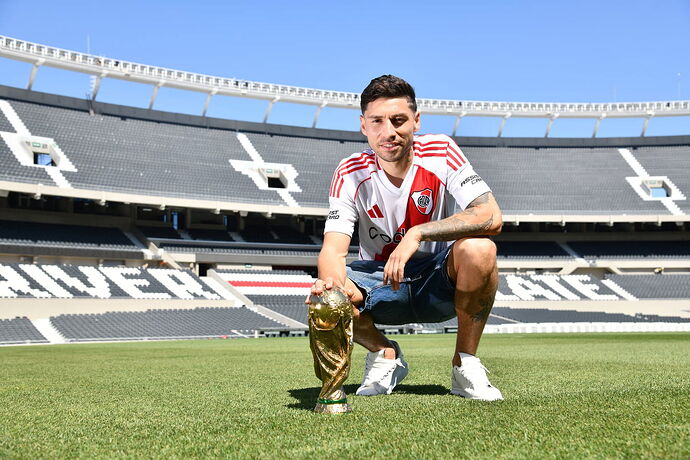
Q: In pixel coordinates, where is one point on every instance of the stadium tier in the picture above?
(60, 239)
(200, 322)
(19, 330)
(109, 214)
(671, 161)
(229, 163)
(654, 286)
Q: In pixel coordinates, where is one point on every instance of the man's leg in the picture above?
(472, 266)
(364, 330)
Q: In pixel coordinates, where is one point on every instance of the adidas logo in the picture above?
(375, 212)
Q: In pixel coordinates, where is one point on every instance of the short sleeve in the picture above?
(342, 215)
(463, 183)
(342, 211)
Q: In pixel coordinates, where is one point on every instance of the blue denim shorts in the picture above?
(426, 294)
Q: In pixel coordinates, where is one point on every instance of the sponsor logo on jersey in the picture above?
(335, 214)
(375, 233)
(473, 179)
(375, 212)
(423, 200)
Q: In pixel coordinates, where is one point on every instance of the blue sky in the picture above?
(480, 50)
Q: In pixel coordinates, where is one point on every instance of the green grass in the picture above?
(567, 396)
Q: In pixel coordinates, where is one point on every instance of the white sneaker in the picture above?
(381, 375)
(470, 380)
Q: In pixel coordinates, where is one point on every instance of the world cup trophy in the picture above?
(330, 340)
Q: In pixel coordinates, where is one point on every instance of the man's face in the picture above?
(390, 124)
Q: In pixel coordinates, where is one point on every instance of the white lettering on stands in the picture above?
(552, 281)
(527, 290)
(589, 290)
(185, 287)
(131, 285)
(501, 296)
(15, 284)
(99, 284)
(46, 281)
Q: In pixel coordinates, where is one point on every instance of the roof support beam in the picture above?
(97, 85)
(270, 108)
(154, 94)
(457, 122)
(646, 123)
(597, 124)
(550, 124)
(34, 70)
(503, 123)
(318, 112)
(208, 101)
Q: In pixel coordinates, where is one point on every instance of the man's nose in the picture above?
(388, 129)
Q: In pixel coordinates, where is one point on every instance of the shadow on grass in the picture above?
(306, 397)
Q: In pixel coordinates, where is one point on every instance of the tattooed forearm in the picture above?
(453, 228)
(476, 220)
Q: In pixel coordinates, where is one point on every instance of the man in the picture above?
(420, 260)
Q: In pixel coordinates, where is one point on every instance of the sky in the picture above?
(495, 50)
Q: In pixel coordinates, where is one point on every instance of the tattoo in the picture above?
(482, 315)
(457, 226)
(481, 199)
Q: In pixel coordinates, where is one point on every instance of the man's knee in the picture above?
(477, 252)
(472, 261)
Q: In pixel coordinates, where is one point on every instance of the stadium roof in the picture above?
(104, 67)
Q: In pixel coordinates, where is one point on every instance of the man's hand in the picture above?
(323, 285)
(394, 270)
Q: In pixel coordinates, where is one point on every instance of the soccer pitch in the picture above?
(567, 396)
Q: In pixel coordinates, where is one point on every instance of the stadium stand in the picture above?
(18, 331)
(169, 324)
(44, 238)
(654, 286)
(160, 232)
(530, 250)
(5, 125)
(152, 156)
(11, 170)
(629, 250)
(209, 234)
(192, 160)
(560, 180)
(181, 161)
(315, 159)
(671, 161)
(291, 306)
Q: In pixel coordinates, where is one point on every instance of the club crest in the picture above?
(423, 200)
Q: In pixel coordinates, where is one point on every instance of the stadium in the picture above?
(126, 224)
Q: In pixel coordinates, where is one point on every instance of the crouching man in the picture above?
(423, 216)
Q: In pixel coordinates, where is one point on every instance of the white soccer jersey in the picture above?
(439, 179)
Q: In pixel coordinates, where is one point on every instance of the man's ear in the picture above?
(361, 125)
(417, 121)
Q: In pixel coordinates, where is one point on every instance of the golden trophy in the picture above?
(330, 340)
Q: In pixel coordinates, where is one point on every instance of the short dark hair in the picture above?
(387, 86)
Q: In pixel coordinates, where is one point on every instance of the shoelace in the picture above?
(475, 375)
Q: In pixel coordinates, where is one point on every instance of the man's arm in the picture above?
(331, 262)
(482, 217)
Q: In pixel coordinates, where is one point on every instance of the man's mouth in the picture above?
(389, 145)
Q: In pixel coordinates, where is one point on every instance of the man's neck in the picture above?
(396, 171)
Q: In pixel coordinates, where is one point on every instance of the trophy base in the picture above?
(338, 408)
